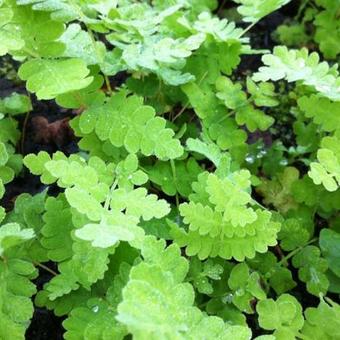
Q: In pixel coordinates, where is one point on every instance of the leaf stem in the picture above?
(23, 133)
(38, 264)
(247, 29)
(108, 85)
(221, 7)
(31, 53)
(173, 169)
(108, 198)
(188, 102)
(294, 252)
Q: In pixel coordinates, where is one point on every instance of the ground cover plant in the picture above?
(169, 169)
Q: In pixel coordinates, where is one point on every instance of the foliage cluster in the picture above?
(204, 201)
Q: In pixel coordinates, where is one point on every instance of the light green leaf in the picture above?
(15, 104)
(322, 322)
(210, 151)
(11, 235)
(50, 78)
(139, 204)
(299, 65)
(327, 170)
(111, 229)
(85, 203)
(16, 307)
(125, 121)
(283, 315)
(254, 10)
(231, 197)
(312, 269)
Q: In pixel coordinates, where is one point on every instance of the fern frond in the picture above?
(299, 65)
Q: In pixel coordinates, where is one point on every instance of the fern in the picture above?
(299, 65)
(253, 11)
(245, 286)
(56, 232)
(200, 195)
(322, 321)
(160, 276)
(223, 225)
(327, 169)
(66, 11)
(16, 308)
(235, 99)
(132, 125)
(322, 111)
(60, 76)
(327, 28)
(312, 269)
(283, 315)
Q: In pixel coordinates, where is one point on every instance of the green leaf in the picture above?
(138, 203)
(110, 230)
(3, 154)
(278, 190)
(78, 44)
(210, 151)
(322, 322)
(85, 203)
(254, 10)
(9, 41)
(15, 104)
(16, 307)
(283, 315)
(127, 122)
(2, 189)
(327, 170)
(59, 11)
(50, 78)
(56, 232)
(323, 111)
(220, 222)
(263, 94)
(11, 235)
(157, 303)
(246, 287)
(293, 234)
(312, 269)
(96, 320)
(220, 29)
(162, 174)
(299, 65)
(235, 99)
(28, 33)
(327, 29)
(230, 196)
(200, 273)
(330, 244)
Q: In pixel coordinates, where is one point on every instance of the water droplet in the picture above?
(95, 309)
(250, 159)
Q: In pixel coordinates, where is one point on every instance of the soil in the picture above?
(46, 128)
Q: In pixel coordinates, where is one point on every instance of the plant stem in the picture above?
(247, 29)
(45, 268)
(294, 252)
(108, 198)
(188, 102)
(23, 133)
(31, 53)
(221, 7)
(108, 85)
(173, 168)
